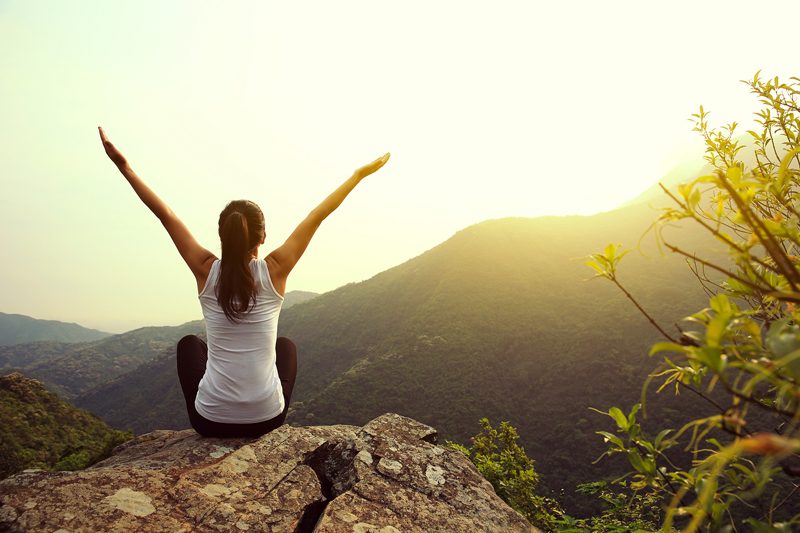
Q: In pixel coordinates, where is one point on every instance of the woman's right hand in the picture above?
(369, 168)
(111, 150)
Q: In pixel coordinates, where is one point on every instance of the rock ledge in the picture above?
(387, 476)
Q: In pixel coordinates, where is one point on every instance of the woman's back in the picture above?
(241, 384)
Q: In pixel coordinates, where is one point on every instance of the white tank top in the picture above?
(241, 383)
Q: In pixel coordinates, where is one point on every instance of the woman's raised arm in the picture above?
(196, 256)
(284, 258)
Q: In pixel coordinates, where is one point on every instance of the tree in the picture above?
(746, 343)
(503, 462)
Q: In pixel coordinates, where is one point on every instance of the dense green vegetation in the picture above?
(18, 329)
(40, 430)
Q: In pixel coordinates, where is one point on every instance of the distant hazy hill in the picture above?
(17, 329)
(40, 430)
(298, 297)
(497, 321)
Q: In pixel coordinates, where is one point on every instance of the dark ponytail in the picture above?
(241, 228)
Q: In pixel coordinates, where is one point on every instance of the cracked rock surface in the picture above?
(387, 476)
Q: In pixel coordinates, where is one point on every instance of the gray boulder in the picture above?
(387, 476)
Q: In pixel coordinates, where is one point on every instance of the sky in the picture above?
(489, 109)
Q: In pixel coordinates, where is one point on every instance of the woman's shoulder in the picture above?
(271, 281)
(204, 275)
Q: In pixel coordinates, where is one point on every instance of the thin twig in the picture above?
(639, 307)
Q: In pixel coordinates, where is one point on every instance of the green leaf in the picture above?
(711, 356)
(784, 168)
(619, 418)
(715, 330)
(666, 347)
(721, 304)
(663, 433)
(632, 414)
(734, 174)
(694, 199)
(595, 266)
(610, 437)
(636, 461)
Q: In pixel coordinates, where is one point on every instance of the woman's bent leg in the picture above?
(286, 362)
(192, 355)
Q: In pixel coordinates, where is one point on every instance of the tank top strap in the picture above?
(266, 280)
(211, 280)
(259, 273)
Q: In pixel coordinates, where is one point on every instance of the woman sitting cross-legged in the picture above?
(240, 383)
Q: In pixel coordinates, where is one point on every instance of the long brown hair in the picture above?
(241, 228)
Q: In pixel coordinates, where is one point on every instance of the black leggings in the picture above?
(192, 356)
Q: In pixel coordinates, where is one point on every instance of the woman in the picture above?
(240, 383)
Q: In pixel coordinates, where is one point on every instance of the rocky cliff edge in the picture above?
(387, 476)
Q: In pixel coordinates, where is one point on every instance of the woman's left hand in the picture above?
(370, 168)
(111, 150)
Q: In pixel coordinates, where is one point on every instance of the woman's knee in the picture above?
(189, 348)
(286, 361)
(187, 342)
(286, 349)
(285, 345)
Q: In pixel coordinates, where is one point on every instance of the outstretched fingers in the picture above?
(369, 168)
(112, 152)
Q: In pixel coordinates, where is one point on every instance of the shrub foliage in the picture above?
(503, 462)
(742, 352)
